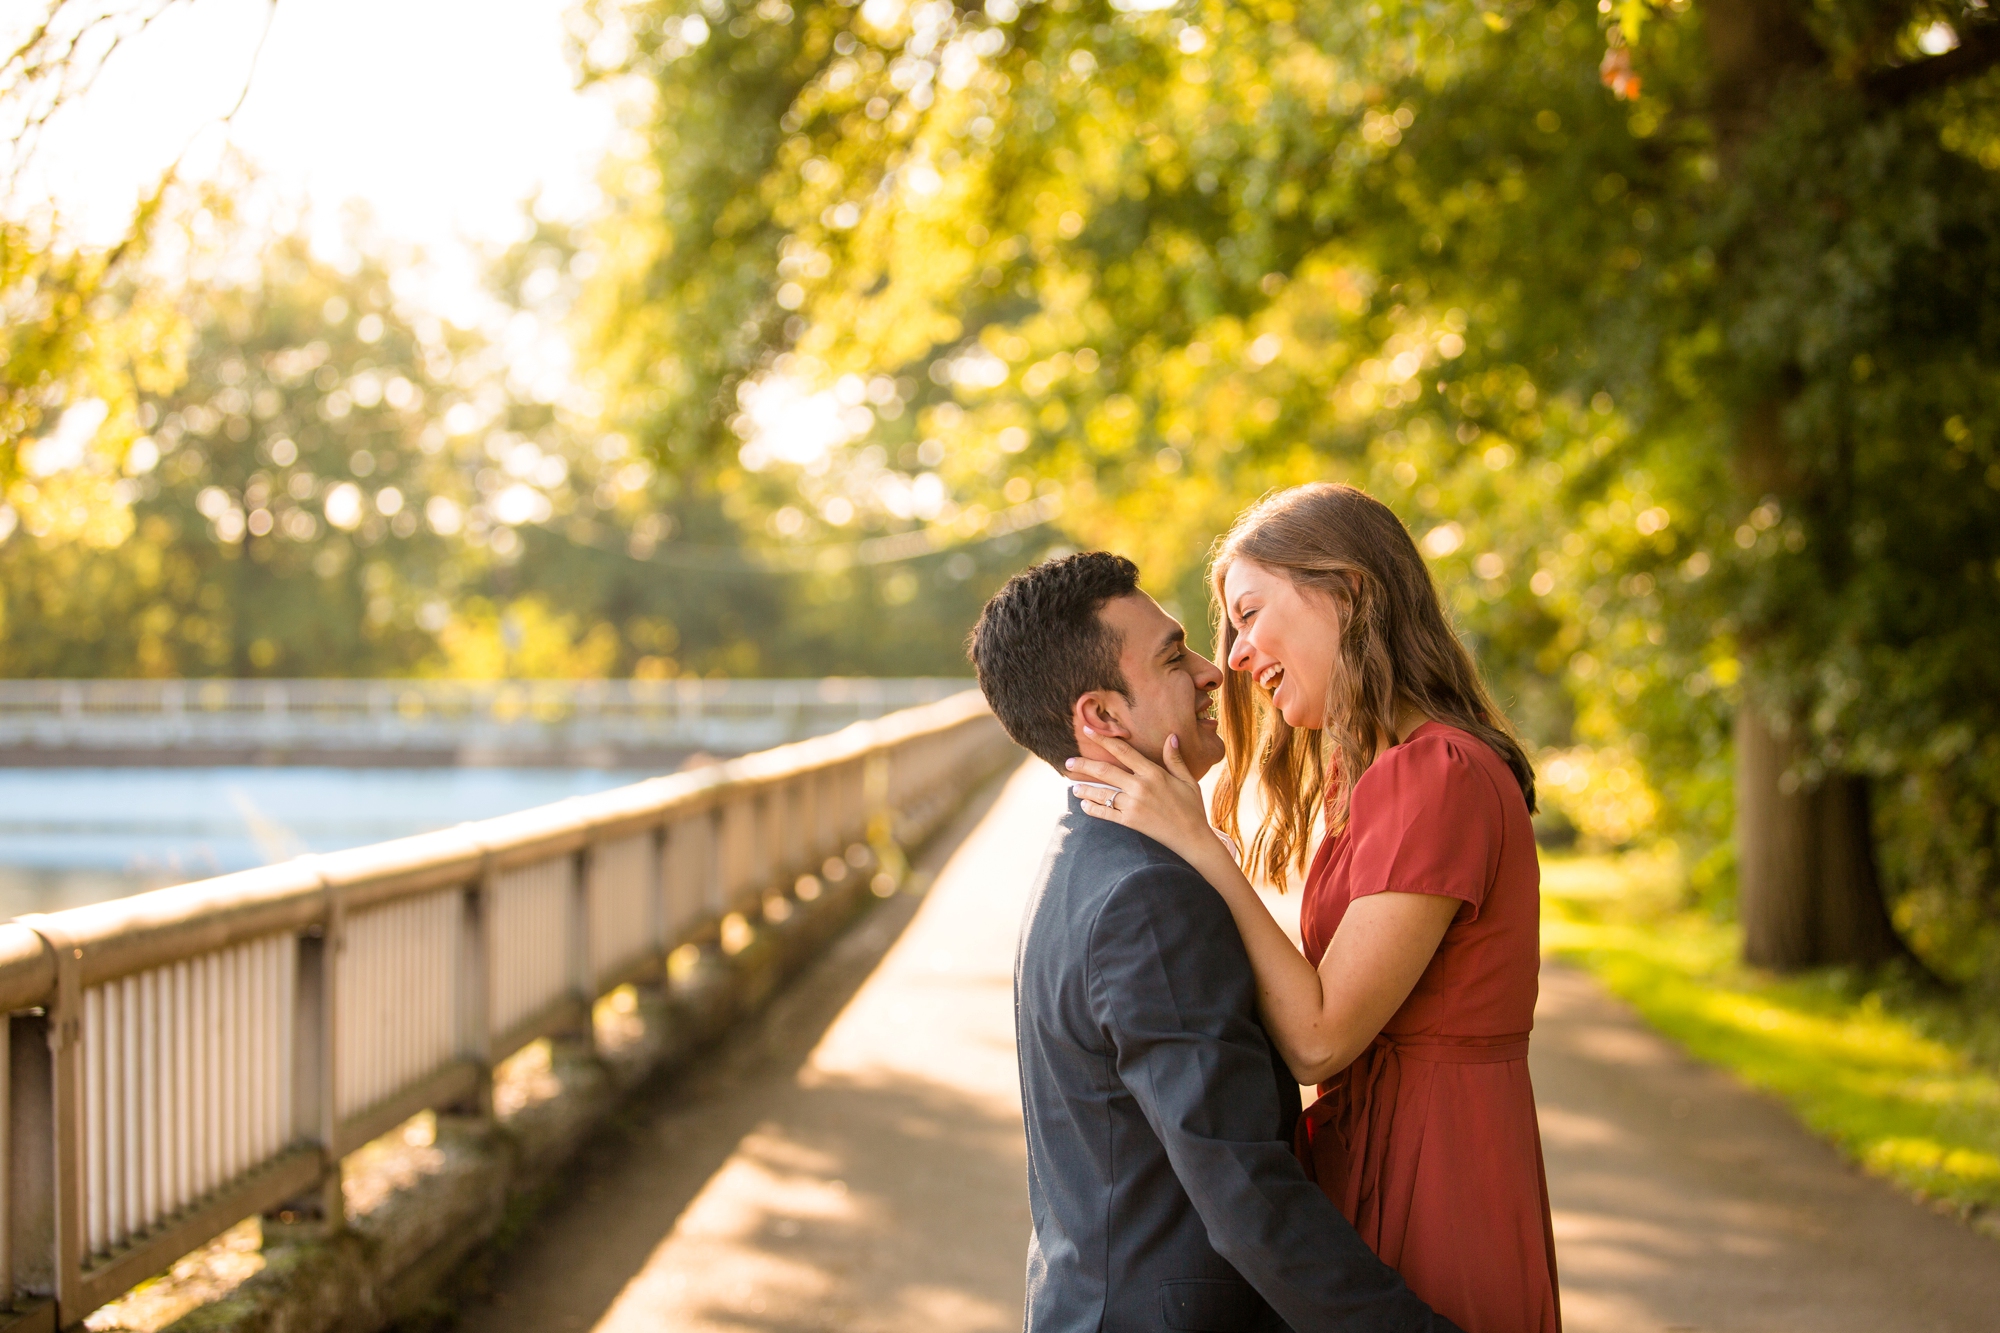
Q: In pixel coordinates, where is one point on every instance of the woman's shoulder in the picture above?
(1435, 759)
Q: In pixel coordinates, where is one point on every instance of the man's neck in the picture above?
(1090, 749)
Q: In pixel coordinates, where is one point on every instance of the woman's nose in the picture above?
(1239, 655)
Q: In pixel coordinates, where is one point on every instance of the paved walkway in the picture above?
(1684, 1202)
(857, 1165)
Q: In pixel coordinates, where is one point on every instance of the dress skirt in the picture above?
(1432, 1150)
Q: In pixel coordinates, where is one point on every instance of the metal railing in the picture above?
(451, 716)
(180, 1060)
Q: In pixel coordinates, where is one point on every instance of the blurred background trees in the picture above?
(1670, 328)
(330, 480)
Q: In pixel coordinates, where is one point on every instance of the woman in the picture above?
(1421, 908)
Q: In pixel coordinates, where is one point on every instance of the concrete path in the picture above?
(856, 1164)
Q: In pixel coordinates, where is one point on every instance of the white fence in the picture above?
(179, 1060)
(456, 717)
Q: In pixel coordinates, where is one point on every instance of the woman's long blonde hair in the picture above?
(1396, 642)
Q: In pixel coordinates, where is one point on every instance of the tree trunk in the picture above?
(1808, 891)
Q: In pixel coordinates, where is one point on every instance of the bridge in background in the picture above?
(436, 723)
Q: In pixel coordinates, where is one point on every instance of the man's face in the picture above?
(1172, 687)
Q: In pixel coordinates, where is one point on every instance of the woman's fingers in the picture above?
(1099, 771)
(1096, 807)
(1176, 764)
(1109, 775)
(1124, 753)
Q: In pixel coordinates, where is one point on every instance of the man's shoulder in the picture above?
(1097, 859)
(1105, 885)
(1088, 863)
(1109, 849)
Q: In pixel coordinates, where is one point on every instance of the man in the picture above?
(1162, 1185)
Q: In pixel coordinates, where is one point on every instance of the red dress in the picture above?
(1428, 1142)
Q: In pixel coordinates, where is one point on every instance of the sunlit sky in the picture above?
(442, 115)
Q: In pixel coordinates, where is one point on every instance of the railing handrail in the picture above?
(180, 1059)
(144, 930)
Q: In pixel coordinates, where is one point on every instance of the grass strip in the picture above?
(1886, 1073)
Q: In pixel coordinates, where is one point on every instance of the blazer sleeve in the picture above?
(1173, 990)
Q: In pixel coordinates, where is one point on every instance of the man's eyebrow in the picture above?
(1172, 641)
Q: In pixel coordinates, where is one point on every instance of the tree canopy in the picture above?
(1670, 327)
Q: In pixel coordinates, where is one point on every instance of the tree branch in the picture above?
(56, 64)
(1977, 51)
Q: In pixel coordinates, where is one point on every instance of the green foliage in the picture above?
(1686, 384)
(1904, 1083)
(81, 338)
(84, 330)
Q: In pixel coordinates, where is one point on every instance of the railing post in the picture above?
(767, 849)
(322, 1210)
(659, 917)
(796, 833)
(878, 809)
(475, 998)
(715, 861)
(652, 988)
(31, 1157)
(59, 1141)
(582, 983)
(826, 814)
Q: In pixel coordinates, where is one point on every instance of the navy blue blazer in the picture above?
(1161, 1178)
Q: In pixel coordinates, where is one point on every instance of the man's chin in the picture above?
(1206, 755)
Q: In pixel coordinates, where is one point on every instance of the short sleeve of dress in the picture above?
(1426, 819)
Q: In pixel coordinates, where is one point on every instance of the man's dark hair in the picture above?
(1040, 645)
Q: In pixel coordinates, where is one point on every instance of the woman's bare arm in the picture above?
(1320, 1020)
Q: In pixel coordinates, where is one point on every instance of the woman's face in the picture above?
(1286, 639)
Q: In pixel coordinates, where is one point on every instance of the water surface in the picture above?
(70, 836)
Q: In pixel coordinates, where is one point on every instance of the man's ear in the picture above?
(1101, 711)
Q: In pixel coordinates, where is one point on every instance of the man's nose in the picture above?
(1206, 677)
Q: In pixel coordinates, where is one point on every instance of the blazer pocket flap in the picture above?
(1211, 1305)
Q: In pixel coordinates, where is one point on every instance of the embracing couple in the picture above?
(1164, 1021)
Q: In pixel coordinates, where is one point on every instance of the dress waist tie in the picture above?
(1342, 1139)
